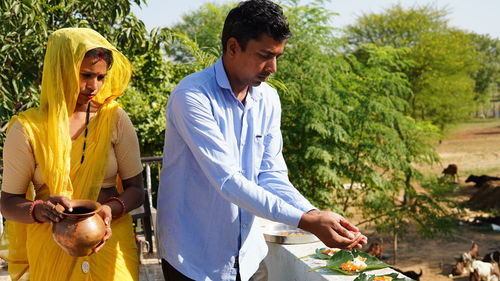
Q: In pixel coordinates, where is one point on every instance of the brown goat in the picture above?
(376, 248)
(463, 264)
(451, 171)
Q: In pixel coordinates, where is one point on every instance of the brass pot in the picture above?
(81, 230)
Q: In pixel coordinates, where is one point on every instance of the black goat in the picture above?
(480, 180)
(410, 273)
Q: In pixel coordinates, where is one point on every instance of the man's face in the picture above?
(258, 61)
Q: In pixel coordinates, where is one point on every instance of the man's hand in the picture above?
(332, 229)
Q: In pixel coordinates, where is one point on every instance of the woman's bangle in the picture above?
(122, 204)
(32, 211)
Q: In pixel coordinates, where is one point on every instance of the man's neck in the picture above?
(239, 89)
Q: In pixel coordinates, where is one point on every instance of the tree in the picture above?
(487, 76)
(204, 27)
(25, 26)
(345, 121)
(444, 59)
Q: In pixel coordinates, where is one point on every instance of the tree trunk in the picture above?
(395, 248)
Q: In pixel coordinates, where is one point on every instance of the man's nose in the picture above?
(272, 65)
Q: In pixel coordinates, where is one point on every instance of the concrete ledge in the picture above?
(283, 263)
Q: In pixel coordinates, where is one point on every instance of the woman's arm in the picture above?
(132, 197)
(16, 207)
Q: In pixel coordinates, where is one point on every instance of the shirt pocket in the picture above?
(259, 143)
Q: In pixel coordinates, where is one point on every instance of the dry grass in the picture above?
(475, 148)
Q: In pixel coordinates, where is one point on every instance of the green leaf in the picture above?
(336, 261)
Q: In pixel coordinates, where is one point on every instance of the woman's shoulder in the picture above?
(122, 117)
(123, 123)
(16, 128)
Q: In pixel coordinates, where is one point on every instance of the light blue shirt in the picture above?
(222, 166)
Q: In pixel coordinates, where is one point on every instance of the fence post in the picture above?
(148, 185)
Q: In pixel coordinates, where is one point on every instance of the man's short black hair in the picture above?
(250, 19)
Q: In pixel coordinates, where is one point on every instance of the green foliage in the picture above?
(444, 59)
(345, 118)
(204, 27)
(487, 76)
(25, 26)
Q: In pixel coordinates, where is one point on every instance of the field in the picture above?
(475, 148)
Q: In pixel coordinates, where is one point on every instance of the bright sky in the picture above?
(480, 16)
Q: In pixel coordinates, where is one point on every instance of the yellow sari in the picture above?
(32, 253)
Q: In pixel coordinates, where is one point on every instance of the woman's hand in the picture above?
(105, 213)
(46, 211)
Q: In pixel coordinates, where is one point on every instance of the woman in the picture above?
(73, 147)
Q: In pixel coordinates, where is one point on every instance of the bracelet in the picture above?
(32, 211)
(122, 204)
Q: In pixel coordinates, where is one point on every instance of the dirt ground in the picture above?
(475, 148)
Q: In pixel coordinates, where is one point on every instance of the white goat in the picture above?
(484, 271)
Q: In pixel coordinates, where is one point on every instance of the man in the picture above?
(223, 162)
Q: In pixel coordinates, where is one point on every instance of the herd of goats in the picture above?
(469, 263)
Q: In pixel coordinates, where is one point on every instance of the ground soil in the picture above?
(474, 148)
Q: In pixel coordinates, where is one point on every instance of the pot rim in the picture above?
(90, 204)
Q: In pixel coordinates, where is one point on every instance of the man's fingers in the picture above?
(337, 241)
(342, 231)
(345, 223)
(356, 241)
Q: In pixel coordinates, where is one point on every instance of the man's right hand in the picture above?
(332, 229)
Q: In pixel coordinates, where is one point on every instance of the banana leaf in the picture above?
(335, 262)
(364, 277)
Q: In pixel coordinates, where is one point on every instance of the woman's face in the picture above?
(92, 74)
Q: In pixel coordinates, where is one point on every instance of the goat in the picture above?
(376, 248)
(410, 273)
(451, 170)
(464, 262)
(484, 271)
(492, 257)
(480, 180)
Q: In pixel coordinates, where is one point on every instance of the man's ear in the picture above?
(232, 47)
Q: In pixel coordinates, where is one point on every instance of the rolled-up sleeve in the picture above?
(191, 115)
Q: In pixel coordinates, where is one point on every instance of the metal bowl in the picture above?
(285, 234)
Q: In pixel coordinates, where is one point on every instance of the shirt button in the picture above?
(245, 225)
(85, 267)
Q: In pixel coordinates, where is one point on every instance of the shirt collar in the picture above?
(220, 75)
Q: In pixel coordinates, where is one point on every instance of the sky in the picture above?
(479, 16)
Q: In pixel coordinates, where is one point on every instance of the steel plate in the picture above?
(285, 234)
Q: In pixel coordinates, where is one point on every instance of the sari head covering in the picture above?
(47, 128)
